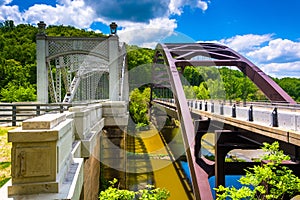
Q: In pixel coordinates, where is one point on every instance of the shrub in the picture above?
(269, 180)
(149, 193)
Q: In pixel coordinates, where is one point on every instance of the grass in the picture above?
(5, 158)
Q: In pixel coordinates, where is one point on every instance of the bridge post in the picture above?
(250, 114)
(222, 109)
(42, 70)
(234, 111)
(114, 86)
(275, 118)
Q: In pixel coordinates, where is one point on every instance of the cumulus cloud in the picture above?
(277, 50)
(277, 57)
(10, 13)
(147, 34)
(248, 42)
(74, 13)
(176, 6)
(153, 17)
(280, 70)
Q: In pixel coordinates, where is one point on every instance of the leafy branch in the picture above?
(270, 180)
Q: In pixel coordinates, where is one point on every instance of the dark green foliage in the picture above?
(148, 193)
(137, 56)
(270, 180)
(69, 31)
(230, 84)
(193, 76)
(138, 106)
(291, 86)
(18, 65)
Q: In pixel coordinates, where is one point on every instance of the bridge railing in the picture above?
(280, 115)
(11, 113)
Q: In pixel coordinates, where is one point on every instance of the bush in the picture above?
(149, 193)
(270, 180)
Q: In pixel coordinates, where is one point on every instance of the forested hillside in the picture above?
(18, 68)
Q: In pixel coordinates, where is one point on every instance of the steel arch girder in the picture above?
(224, 56)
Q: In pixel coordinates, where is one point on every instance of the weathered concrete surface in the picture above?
(57, 156)
(92, 173)
(42, 160)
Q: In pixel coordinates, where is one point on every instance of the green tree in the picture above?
(192, 75)
(14, 93)
(138, 106)
(137, 56)
(269, 180)
(149, 193)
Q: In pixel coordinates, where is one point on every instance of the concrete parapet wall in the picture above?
(261, 115)
(57, 156)
(115, 113)
(41, 158)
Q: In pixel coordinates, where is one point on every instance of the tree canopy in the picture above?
(18, 68)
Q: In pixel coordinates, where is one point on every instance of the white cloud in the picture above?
(277, 57)
(247, 42)
(202, 5)
(10, 13)
(147, 34)
(176, 6)
(151, 17)
(280, 70)
(280, 50)
(73, 13)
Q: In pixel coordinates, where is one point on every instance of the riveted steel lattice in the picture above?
(76, 66)
(92, 45)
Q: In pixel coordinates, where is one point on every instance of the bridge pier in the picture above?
(113, 154)
(225, 141)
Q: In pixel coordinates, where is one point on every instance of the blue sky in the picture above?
(265, 31)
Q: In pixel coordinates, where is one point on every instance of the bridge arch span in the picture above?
(174, 56)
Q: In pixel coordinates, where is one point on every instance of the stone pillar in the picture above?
(114, 68)
(113, 154)
(42, 70)
(44, 165)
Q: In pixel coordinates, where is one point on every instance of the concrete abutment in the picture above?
(57, 156)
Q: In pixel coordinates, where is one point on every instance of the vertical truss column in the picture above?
(114, 69)
(42, 70)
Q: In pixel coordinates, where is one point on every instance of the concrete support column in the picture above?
(114, 68)
(42, 70)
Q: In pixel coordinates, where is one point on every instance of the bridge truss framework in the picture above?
(80, 69)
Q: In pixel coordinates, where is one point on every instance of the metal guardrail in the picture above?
(264, 104)
(12, 113)
(281, 115)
